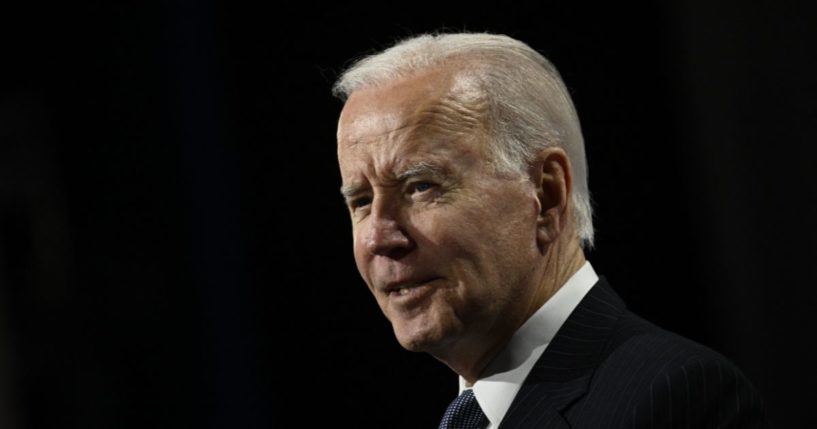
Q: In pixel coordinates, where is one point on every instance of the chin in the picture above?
(412, 346)
(419, 337)
(411, 342)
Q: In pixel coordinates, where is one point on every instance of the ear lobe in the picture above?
(551, 174)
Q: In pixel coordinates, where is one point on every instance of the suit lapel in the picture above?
(561, 375)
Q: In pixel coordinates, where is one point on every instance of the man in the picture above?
(463, 168)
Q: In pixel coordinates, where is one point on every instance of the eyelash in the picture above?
(412, 189)
(360, 202)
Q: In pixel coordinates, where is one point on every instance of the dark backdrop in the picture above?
(174, 251)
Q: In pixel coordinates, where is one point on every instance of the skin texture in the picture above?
(457, 256)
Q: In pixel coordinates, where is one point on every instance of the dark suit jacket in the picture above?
(608, 368)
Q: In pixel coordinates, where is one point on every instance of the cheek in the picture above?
(462, 241)
(444, 230)
(359, 251)
(501, 236)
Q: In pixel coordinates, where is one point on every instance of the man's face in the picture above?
(446, 246)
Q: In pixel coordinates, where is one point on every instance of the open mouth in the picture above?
(406, 288)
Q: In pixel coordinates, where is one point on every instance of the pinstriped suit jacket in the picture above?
(608, 368)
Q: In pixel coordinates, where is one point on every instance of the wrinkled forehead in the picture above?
(443, 99)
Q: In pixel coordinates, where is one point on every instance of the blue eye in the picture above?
(422, 186)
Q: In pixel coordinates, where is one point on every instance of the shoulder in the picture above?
(651, 377)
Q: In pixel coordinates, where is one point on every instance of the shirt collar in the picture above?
(504, 376)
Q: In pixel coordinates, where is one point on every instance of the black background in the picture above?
(174, 251)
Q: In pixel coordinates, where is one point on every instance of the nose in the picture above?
(386, 236)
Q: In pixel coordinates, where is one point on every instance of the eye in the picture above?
(421, 187)
(359, 202)
(422, 191)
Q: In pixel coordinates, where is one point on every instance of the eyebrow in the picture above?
(348, 191)
(421, 168)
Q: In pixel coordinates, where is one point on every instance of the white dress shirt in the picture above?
(503, 377)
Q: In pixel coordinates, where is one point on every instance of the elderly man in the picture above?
(464, 172)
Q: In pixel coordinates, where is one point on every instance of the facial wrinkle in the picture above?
(450, 116)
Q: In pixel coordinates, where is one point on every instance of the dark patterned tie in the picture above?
(464, 413)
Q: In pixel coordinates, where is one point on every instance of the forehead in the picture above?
(434, 111)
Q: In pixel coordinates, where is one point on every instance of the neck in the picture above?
(560, 262)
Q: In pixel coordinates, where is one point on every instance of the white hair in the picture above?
(530, 108)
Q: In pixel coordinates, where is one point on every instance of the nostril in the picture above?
(386, 238)
(397, 253)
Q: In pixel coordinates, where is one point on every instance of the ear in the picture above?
(552, 176)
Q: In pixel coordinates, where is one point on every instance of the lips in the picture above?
(403, 287)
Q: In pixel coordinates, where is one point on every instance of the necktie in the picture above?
(464, 413)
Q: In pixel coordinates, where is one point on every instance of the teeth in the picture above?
(403, 291)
